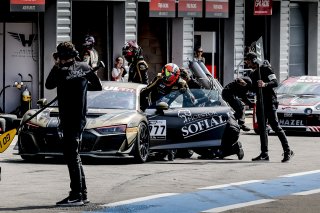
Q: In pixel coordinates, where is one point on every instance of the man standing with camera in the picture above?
(264, 79)
(72, 80)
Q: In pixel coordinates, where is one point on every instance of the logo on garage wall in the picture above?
(22, 38)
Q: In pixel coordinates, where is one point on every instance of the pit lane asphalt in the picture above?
(35, 187)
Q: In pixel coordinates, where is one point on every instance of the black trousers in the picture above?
(271, 118)
(71, 143)
(237, 105)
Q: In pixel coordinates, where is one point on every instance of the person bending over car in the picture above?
(166, 82)
(264, 78)
(72, 80)
(235, 94)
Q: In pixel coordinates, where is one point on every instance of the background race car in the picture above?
(299, 104)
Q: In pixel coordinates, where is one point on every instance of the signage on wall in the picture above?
(217, 8)
(162, 8)
(27, 5)
(262, 7)
(190, 8)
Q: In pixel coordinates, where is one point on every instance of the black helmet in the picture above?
(131, 50)
(251, 56)
(66, 50)
(89, 41)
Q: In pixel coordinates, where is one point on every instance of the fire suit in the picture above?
(232, 93)
(270, 104)
(158, 89)
(138, 71)
(72, 81)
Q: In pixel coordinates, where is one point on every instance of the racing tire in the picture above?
(142, 145)
(184, 153)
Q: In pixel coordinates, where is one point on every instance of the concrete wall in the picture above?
(49, 46)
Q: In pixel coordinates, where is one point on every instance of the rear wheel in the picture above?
(142, 144)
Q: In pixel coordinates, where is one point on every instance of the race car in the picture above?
(117, 127)
(299, 104)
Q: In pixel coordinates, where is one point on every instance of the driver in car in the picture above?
(167, 82)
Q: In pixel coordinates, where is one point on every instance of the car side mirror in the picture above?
(160, 107)
(42, 102)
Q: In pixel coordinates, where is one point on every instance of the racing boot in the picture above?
(171, 155)
(287, 156)
(245, 128)
(262, 157)
(240, 153)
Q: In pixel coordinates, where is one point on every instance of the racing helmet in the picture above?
(170, 74)
(66, 50)
(89, 41)
(131, 50)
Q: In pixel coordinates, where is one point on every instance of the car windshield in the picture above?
(179, 100)
(120, 98)
(299, 88)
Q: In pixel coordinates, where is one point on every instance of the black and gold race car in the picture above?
(117, 127)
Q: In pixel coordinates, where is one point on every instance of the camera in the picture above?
(55, 56)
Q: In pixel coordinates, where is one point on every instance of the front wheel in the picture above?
(142, 145)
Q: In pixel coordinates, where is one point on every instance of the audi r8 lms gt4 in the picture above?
(117, 127)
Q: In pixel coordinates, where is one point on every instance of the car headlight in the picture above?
(111, 129)
(318, 107)
(308, 111)
(30, 126)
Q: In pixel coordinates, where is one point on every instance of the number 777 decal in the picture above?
(158, 129)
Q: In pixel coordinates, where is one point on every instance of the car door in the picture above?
(187, 127)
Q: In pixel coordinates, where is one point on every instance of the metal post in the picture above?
(261, 117)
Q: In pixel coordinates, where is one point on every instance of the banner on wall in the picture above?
(190, 8)
(27, 5)
(162, 8)
(262, 7)
(217, 8)
(21, 57)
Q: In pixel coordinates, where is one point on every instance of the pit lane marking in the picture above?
(125, 202)
(238, 195)
(301, 173)
(231, 184)
(238, 205)
(310, 192)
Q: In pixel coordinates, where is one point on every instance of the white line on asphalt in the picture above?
(138, 199)
(239, 205)
(231, 184)
(314, 191)
(301, 173)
